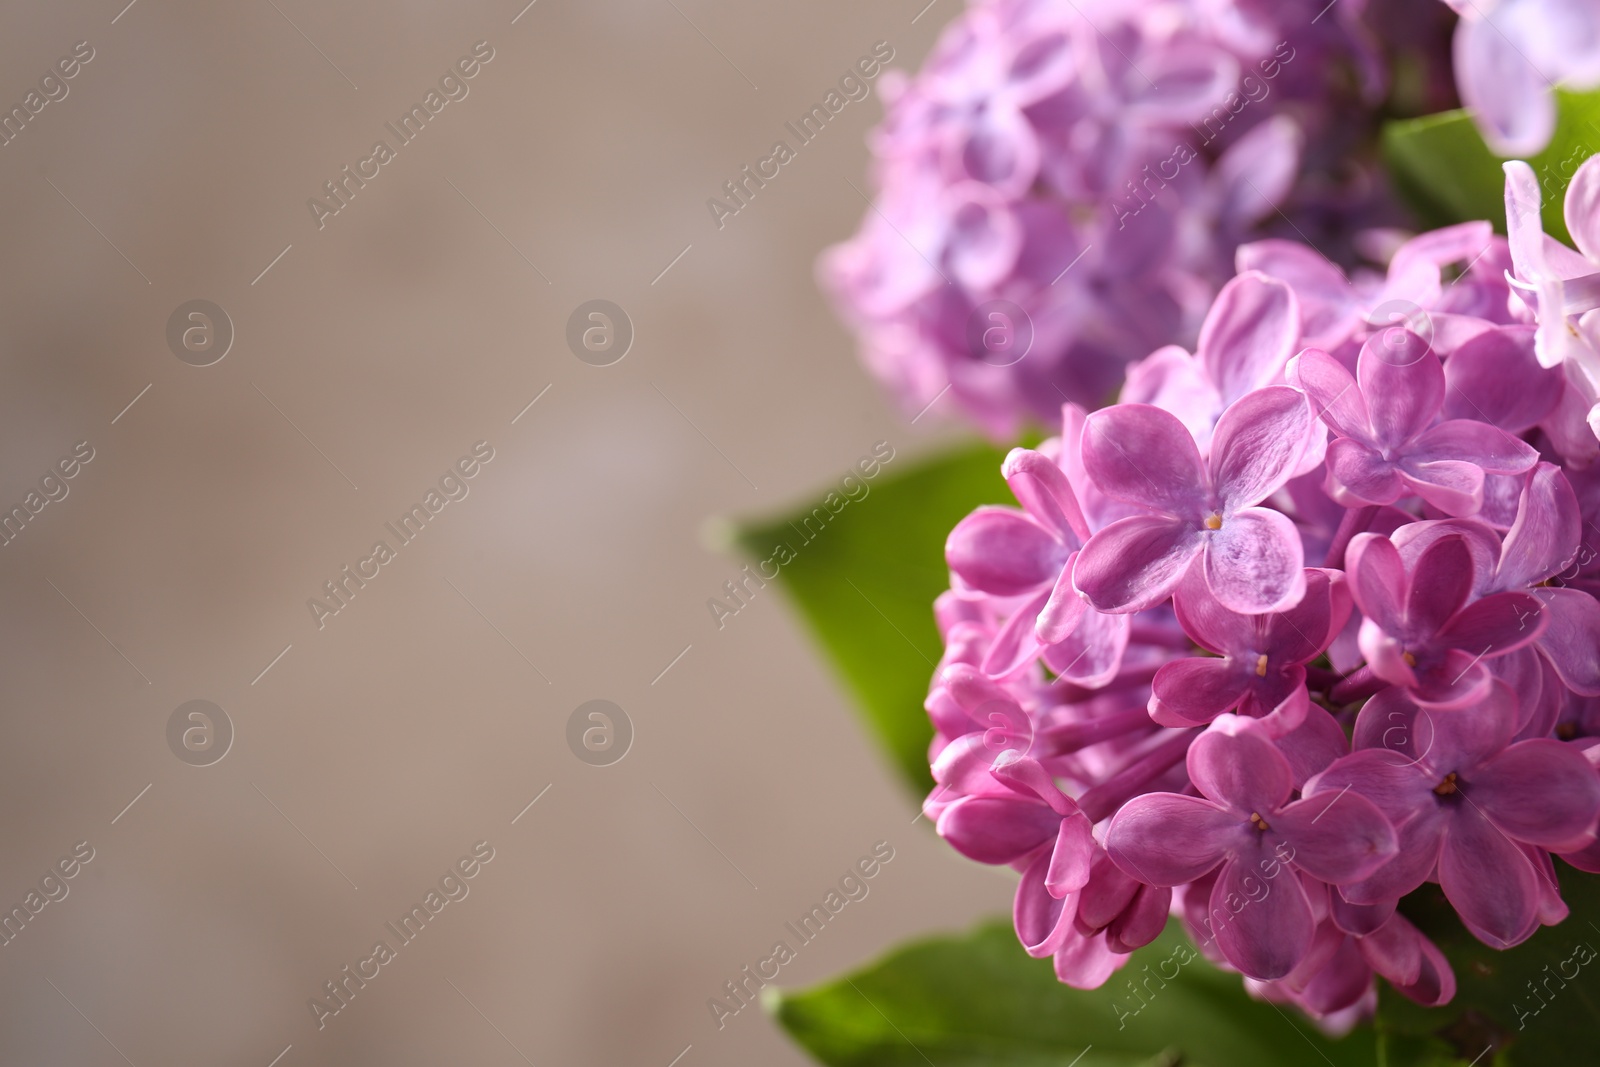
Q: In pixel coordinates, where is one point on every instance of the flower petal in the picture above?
(1571, 641)
(1070, 859)
(1192, 692)
(1086, 962)
(1092, 654)
(1496, 378)
(1043, 921)
(1547, 533)
(1488, 879)
(1377, 580)
(1166, 839)
(1335, 397)
(1477, 443)
(1402, 382)
(1541, 792)
(1139, 453)
(1142, 921)
(1497, 624)
(1359, 474)
(1583, 209)
(1134, 563)
(1234, 764)
(1041, 487)
(1003, 552)
(1508, 97)
(997, 829)
(1257, 445)
(1264, 935)
(1337, 838)
(1256, 563)
(1452, 486)
(1249, 334)
(1063, 611)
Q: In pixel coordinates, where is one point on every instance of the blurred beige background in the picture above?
(370, 357)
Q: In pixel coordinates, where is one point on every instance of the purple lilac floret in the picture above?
(1304, 621)
(1510, 55)
(1075, 177)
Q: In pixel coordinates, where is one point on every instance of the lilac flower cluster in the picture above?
(1305, 620)
(1069, 180)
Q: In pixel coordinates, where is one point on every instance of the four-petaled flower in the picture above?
(1245, 822)
(1388, 444)
(1251, 556)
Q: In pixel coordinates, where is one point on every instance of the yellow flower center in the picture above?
(1448, 786)
(1258, 822)
(1213, 521)
(1261, 666)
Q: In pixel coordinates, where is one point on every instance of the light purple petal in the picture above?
(1335, 396)
(1477, 443)
(1455, 487)
(1377, 581)
(1003, 552)
(1092, 654)
(1139, 453)
(1265, 936)
(1234, 764)
(1571, 641)
(1192, 692)
(1402, 382)
(1420, 842)
(997, 829)
(1545, 538)
(1497, 624)
(1070, 859)
(1496, 378)
(1134, 563)
(1508, 97)
(1524, 225)
(1257, 444)
(1541, 792)
(1501, 907)
(1043, 921)
(1209, 624)
(1583, 209)
(1041, 487)
(1166, 839)
(1441, 581)
(1249, 334)
(1359, 474)
(1017, 643)
(1087, 962)
(1336, 838)
(1256, 563)
(1063, 611)
(1397, 785)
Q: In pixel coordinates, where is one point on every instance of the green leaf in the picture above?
(1441, 165)
(1536, 1004)
(865, 580)
(979, 1001)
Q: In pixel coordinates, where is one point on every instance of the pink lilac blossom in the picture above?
(1075, 177)
(1306, 620)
